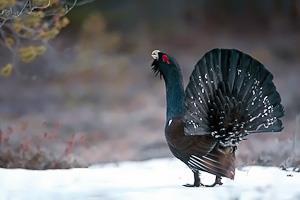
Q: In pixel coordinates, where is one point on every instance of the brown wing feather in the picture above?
(200, 152)
(188, 144)
(220, 161)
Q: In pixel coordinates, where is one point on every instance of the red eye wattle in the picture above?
(165, 59)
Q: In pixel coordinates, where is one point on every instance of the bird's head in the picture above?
(163, 64)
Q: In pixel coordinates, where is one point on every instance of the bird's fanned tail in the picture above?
(231, 95)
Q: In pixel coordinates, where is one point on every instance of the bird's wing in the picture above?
(220, 162)
(230, 95)
(199, 145)
(200, 152)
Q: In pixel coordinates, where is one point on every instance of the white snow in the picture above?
(154, 179)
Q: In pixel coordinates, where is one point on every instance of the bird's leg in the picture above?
(197, 182)
(217, 182)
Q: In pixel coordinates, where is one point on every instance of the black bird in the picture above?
(229, 96)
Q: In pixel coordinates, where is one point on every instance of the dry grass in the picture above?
(19, 150)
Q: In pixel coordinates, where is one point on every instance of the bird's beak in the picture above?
(155, 55)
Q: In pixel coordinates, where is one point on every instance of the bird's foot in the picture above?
(217, 182)
(194, 185)
(213, 185)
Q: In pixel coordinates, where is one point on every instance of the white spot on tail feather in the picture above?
(239, 71)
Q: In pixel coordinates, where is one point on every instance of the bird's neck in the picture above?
(175, 94)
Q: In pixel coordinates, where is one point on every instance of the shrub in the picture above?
(27, 26)
(20, 150)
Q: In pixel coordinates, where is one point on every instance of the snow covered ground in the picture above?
(154, 179)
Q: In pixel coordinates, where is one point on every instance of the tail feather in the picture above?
(217, 162)
(231, 95)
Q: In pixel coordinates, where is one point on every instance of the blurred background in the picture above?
(90, 97)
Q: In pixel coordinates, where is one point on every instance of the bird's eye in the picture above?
(165, 59)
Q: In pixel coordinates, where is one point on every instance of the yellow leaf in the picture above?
(64, 22)
(41, 3)
(6, 70)
(9, 41)
(30, 53)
